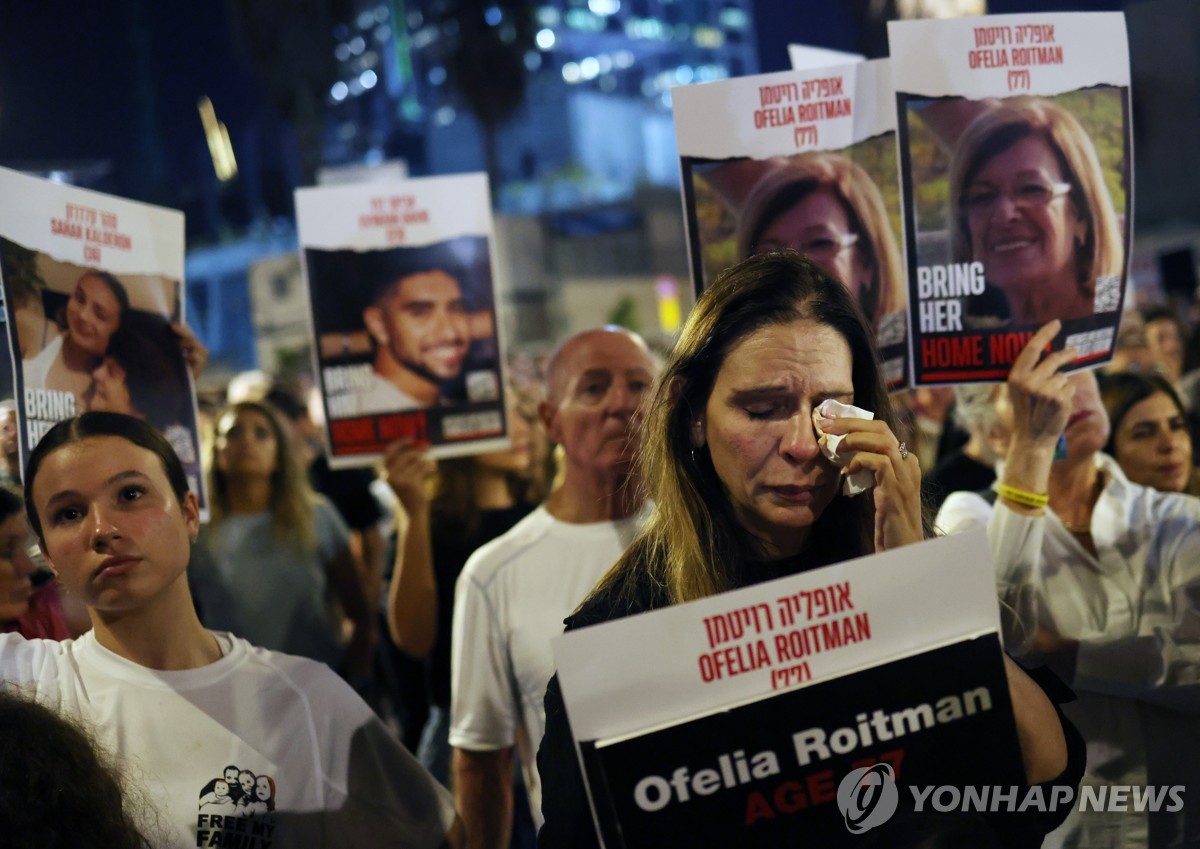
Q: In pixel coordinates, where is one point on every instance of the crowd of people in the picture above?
(208, 651)
(363, 658)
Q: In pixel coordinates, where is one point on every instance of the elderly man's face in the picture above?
(423, 325)
(596, 399)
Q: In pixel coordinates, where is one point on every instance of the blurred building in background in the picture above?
(594, 124)
(583, 165)
(223, 110)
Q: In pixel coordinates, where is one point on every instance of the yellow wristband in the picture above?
(1020, 496)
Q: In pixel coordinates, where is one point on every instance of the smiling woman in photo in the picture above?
(1030, 203)
(94, 313)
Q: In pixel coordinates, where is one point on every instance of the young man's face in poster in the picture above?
(422, 324)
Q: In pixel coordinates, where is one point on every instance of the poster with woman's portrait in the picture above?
(92, 286)
(802, 160)
(1017, 169)
(403, 315)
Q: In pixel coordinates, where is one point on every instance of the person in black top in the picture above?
(475, 500)
(743, 493)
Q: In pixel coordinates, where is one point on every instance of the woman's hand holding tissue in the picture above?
(870, 455)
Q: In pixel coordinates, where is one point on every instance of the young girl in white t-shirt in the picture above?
(180, 705)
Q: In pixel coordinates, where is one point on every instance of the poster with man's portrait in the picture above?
(92, 287)
(403, 312)
(802, 160)
(1017, 168)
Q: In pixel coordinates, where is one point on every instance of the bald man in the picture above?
(514, 592)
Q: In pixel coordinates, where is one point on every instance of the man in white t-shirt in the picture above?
(515, 592)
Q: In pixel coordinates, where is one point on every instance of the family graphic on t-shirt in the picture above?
(238, 793)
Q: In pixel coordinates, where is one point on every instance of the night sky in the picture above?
(119, 82)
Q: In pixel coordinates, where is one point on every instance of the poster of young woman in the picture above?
(803, 160)
(93, 284)
(403, 315)
(1017, 169)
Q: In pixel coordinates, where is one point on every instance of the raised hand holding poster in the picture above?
(1016, 160)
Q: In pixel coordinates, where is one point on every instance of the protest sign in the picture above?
(403, 312)
(804, 56)
(1016, 162)
(92, 283)
(745, 711)
(803, 160)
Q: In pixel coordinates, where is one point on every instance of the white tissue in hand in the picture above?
(861, 480)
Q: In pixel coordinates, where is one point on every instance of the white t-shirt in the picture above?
(315, 767)
(1135, 612)
(37, 367)
(510, 602)
(375, 395)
